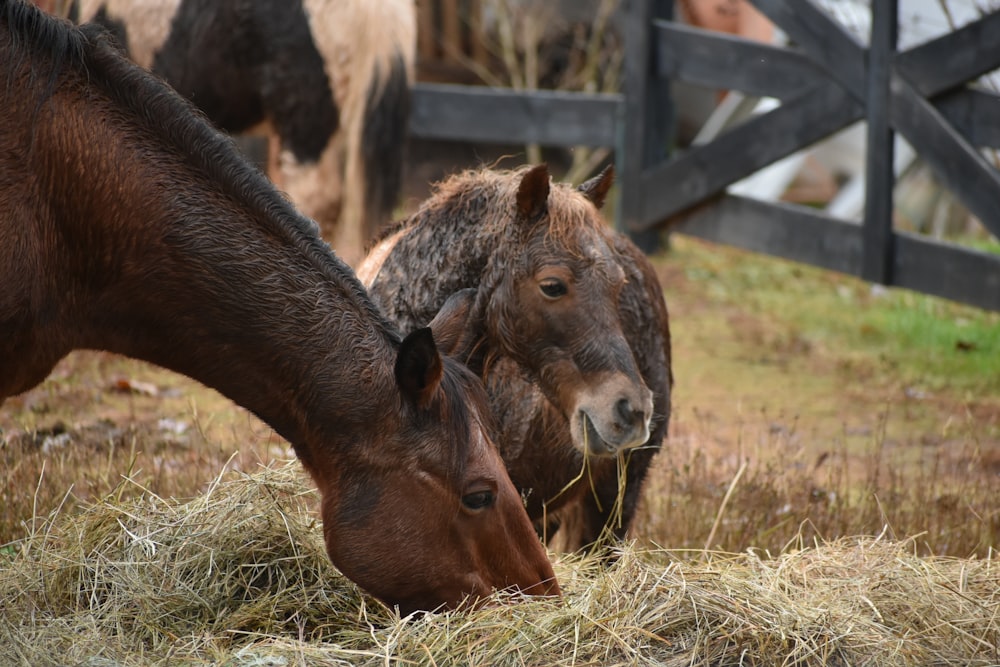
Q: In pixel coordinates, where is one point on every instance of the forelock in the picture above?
(462, 404)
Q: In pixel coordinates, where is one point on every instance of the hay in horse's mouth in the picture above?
(594, 444)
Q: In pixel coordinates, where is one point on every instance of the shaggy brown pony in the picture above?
(566, 324)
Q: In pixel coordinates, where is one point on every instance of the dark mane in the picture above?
(36, 32)
(460, 381)
(92, 52)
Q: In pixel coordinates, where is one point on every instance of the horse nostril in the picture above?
(626, 415)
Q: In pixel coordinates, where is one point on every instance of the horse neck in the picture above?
(159, 262)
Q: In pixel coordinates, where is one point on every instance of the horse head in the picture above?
(464, 524)
(550, 301)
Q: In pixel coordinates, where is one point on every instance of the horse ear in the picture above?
(419, 367)
(533, 193)
(454, 332)
(596, 189)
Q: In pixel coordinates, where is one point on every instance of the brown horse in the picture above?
(128, 224)
(566, 323)
(327, 81)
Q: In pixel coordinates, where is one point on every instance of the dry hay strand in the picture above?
(238, 576)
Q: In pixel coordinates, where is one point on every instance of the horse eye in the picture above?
(553, 288)
(478, 500)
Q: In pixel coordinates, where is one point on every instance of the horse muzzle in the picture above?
(607, 430)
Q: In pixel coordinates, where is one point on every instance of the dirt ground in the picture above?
(738, 370)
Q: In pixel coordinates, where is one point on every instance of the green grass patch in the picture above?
(985, 244)
(930, 342)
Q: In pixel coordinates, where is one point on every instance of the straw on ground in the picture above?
(238, 576)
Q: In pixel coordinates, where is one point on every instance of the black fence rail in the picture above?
(825, 81)
(492, 115)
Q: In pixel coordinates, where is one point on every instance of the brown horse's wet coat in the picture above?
(127, 224)
(565, 321)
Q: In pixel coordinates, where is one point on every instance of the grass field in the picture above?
(847, 408)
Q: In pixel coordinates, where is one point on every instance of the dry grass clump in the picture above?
(238, 576)
(775, 487)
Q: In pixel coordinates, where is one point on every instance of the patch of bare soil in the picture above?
(738, 371)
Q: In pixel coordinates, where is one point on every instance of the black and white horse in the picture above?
(327, 81)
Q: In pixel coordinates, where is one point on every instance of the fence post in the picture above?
(647, 116)
(878, 253)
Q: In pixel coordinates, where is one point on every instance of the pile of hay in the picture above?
(239, 576)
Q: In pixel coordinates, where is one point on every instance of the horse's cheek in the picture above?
(509, 327)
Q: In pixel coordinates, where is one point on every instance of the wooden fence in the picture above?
(825, 82)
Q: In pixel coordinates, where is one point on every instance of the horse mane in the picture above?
(45, 36)
(493, 193)
(93, 53)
